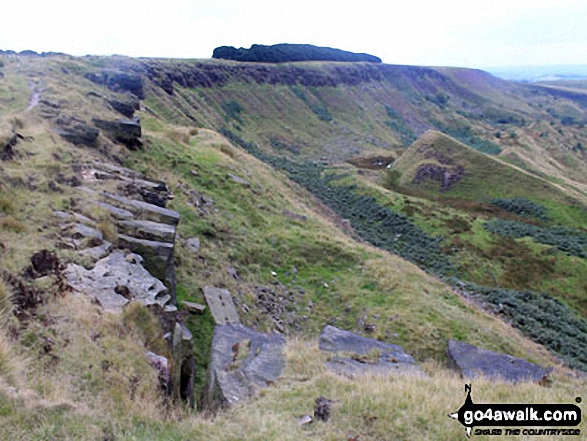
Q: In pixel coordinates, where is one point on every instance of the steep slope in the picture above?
(290, 262)
(335, 111)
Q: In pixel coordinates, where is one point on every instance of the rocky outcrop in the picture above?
(116, 280)
(358, 355)
(243, 361)
(126, 107)
(119, 81)
(472, 362)
(146, 229)
(76, 131)
(142, 269)
(123, 131)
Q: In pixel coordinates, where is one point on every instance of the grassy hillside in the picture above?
(73, 372)
(440, 165)
(336, 111)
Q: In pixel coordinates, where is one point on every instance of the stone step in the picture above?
(116, 212)
(148, 230)
(143, 210)
(146, 248)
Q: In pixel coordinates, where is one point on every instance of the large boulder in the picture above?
(79, 134)
(116, 280)
(358, 355)
(126, 106)
(242, 362)
(119, 81)
(472, 361)
(158, 257)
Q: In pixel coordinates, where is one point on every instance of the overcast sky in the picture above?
(469, 33)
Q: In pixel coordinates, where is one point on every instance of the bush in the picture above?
(397, 123)
(233, 110)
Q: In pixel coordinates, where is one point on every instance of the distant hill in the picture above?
(540, 73)
(281, 53)
(437, 164)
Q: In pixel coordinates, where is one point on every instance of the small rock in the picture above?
(239, 180)
(304, 419)
(162, 365)
(193, 244)
(232, 272)
(194, 308)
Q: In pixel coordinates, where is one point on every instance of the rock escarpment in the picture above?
(131, 242)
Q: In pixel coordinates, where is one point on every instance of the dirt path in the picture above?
(35, 95)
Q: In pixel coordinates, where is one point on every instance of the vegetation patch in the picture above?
(572, 242)
(466, 135)
(540, 316)
(374, 223)
(397, 123)
(522, 207)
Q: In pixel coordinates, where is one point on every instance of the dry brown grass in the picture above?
(178, 134)
(9, 223)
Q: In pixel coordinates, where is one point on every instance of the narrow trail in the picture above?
(35, 96)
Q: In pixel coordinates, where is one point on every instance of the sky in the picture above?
(467, 33)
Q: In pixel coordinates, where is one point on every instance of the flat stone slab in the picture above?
(239, 180)
(122, 171)
(117, 279)
(148, 230)
(472, 361)
(242, 362)
(221, 305)
(193, 308)
(143, 210)
(163, 250)
(357, 355)
(116, 212)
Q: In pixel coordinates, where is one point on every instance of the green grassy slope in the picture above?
(337, 111)
(440, 165)
(100, 385)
